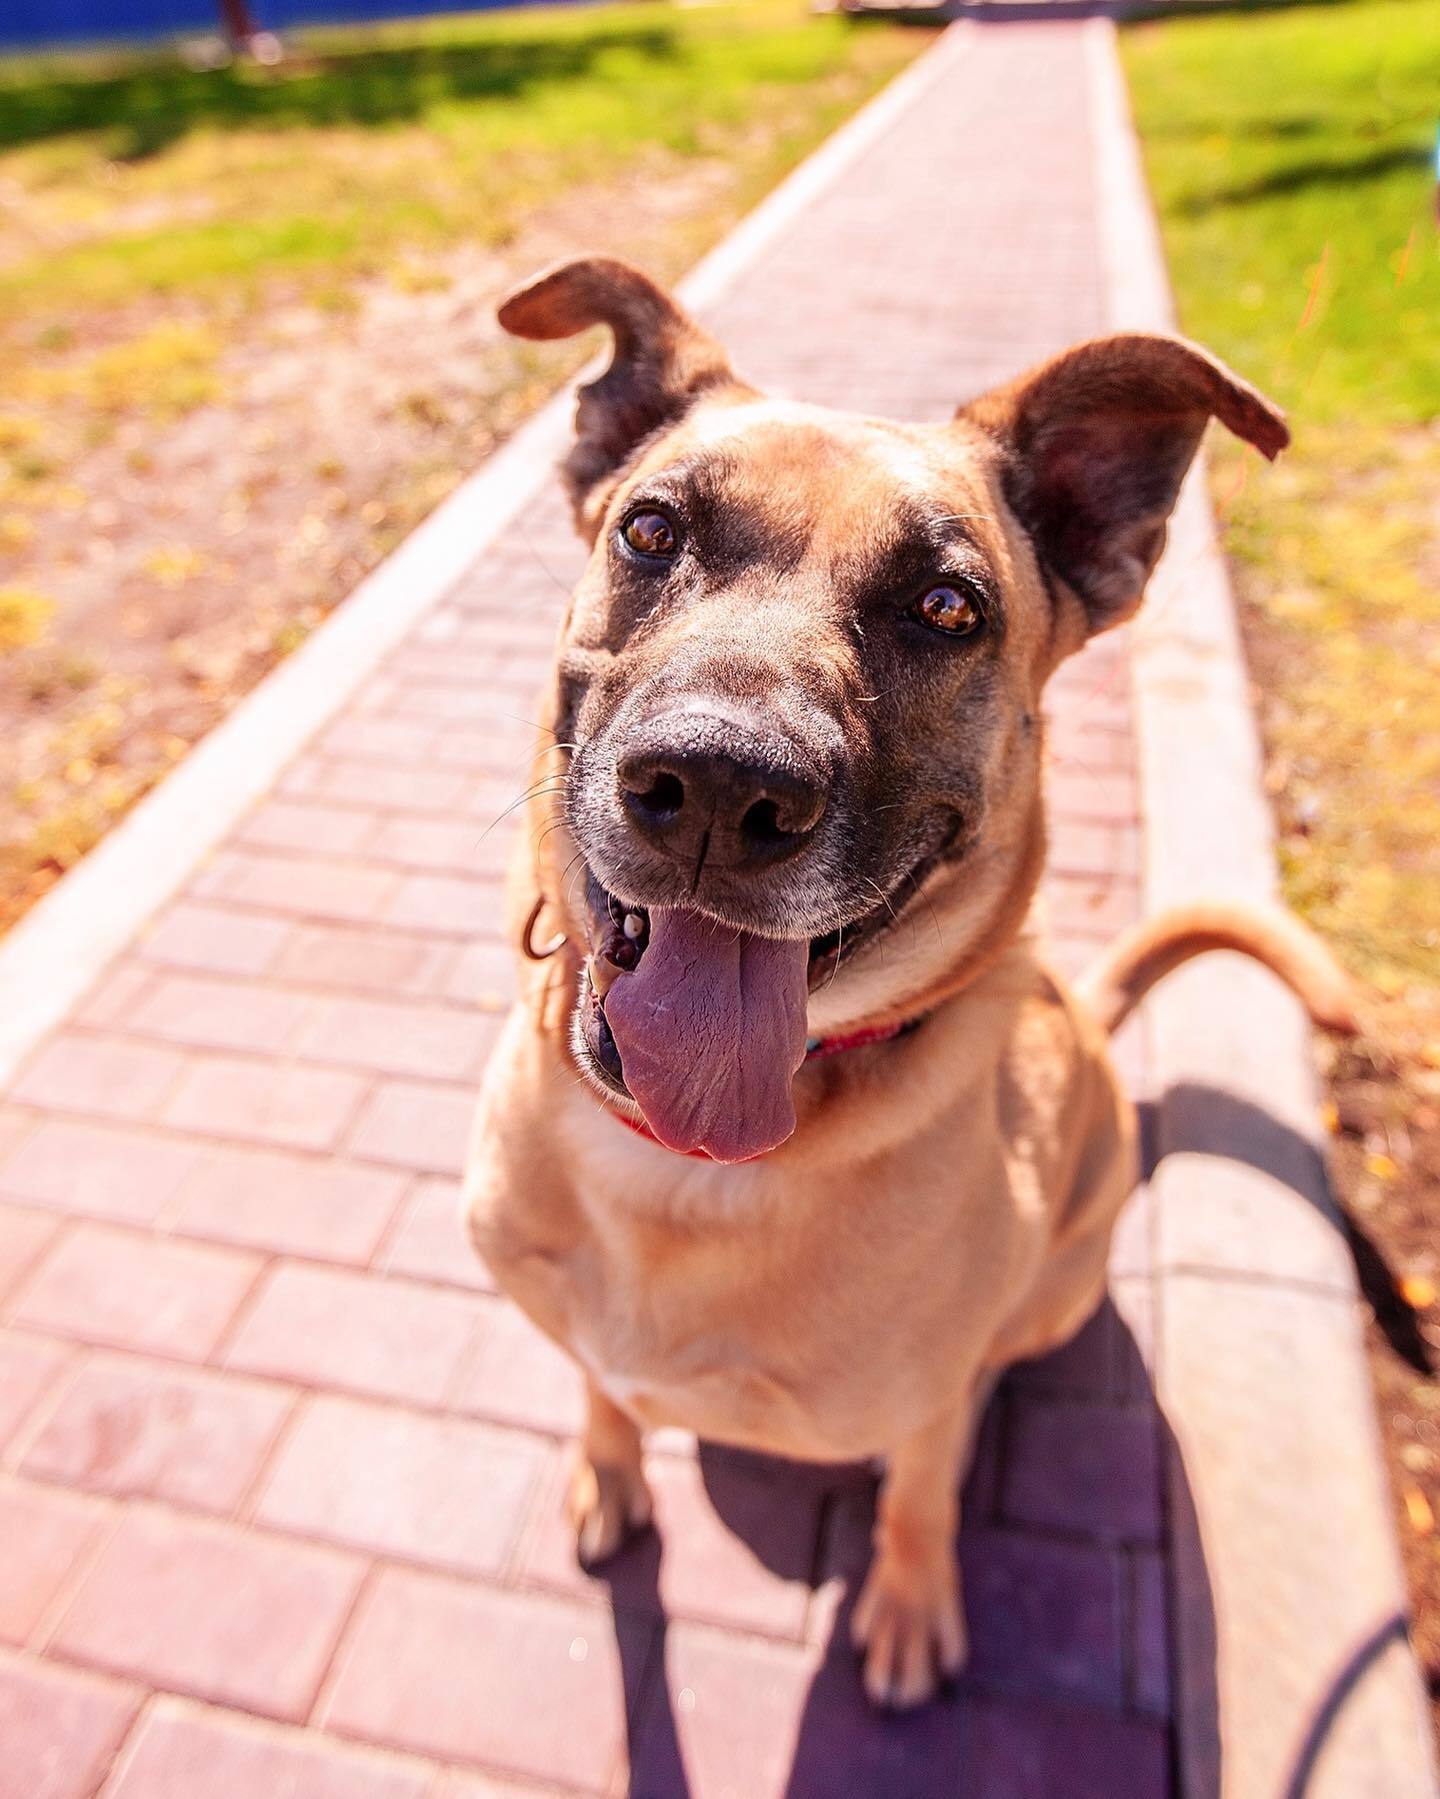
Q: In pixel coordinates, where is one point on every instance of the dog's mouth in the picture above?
(701, 1024)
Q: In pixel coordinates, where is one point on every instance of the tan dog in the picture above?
(794, 794)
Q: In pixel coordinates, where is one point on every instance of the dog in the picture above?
(792, 1138)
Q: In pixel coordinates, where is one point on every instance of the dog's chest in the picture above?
(812, 1361)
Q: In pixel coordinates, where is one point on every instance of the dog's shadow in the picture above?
(1079, 1570)
(1066, 1629)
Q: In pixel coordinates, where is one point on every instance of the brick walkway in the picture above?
(280, 1470)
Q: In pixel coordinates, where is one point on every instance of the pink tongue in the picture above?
(711, 1028)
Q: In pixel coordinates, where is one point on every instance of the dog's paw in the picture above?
(607, 1503)
(909, 1631)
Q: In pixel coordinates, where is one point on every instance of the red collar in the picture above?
(815, 1049)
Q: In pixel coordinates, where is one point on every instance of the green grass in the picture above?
(139, 176)
(1289, 153)
(1290, 156)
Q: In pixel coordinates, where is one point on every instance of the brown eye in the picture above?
(951, 610)
(650, 534)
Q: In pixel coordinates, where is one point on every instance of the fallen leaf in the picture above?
(1417, 1510)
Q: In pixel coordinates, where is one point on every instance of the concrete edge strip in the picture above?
(1291, 1674)
(58, 950)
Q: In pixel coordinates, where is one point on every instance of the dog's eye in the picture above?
(951, 610)
(650, 533)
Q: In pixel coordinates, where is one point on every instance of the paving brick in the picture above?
(111, 1001)
(16, 1124)
(297, 886)
(458, 845)
(362, 738)
(112, 1077)
(431, 1243)
(45, 1533)
(1095, 748)
(416, 1125)
(215, 1014)
(376, 784)
(330, 1327)
(391, 1038)
(362, 960)
(59, 1728)
(127, 1425)
(1083, 1466)
(23, 1235)
(212, 1612)
(1090, 905)
(517, 1375)
(457, 1784)
(1149, 1634)
(1062, 1752)
(29, 1368)
(451, 702)
(1045, 1616)
(444, 662)
(289, 1204)
(103, 1171)
(484, 975)
(1134, 1301)
(312, 828)
(689, 1738)
(105, 1285)
(213, 939)
(403, 1484)
(264, 1101)
(453, 1671)
(182, 1750)
(454, 904)
(1085, 846)
(1092, 793)
(735, 1544)
(500, 747)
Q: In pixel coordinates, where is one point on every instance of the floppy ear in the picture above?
(1099, 441)
(661, 363)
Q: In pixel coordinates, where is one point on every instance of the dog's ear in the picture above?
(1098, 442)
(662, 359)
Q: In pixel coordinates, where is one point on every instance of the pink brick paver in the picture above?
(286, 1468)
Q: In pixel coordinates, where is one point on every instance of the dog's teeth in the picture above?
(634, 926)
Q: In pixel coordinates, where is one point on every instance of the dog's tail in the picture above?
(1114, 985)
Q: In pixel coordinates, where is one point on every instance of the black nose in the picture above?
(697, 785)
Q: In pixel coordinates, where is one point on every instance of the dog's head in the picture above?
(801, 679)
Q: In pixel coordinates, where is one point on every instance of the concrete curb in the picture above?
(1293, 1671)
(59, 949)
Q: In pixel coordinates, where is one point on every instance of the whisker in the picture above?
(532, 792)
(930, 905)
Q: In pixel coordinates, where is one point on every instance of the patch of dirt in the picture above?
(173, 554)
(1383, 1111)
(1386, 1168)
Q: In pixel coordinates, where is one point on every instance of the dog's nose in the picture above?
(700, 785)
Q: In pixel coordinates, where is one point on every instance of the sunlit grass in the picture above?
(1289, 152)
(132, 175)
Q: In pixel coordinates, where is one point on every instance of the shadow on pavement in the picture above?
(1051, 1691)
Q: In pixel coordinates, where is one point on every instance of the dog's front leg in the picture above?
(908, 1623)
(609, 1497)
